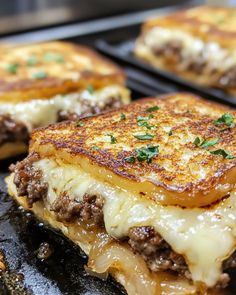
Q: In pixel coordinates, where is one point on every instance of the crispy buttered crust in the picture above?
(181, 174)
(66, 67)
(210, 23)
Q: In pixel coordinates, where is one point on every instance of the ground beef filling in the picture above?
(160, 257)
(155, 251)
(12, 130)
(28, 180)
(172, 51)
(90, 208)
(88, 109)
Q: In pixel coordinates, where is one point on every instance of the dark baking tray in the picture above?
(122, 51)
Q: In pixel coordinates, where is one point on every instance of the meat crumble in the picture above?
(28, 180)
(12, 130)
(90, 208)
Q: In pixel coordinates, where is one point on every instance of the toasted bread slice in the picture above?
(49, 82)
(46, 69)
(197, 44)
(158, 173)
(181, 172)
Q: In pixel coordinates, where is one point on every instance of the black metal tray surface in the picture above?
(123, 52)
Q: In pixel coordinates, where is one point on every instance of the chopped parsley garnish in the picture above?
(95, 148)
(130, 159)
(40, 75)
(122, 117)
(53, 56)
(152, 109)
(90, 89)
(226, 119)
(146, 136)
(205, 143)
(197, 141)
(79, 123)
(144, 154)
(147, 154)
(113, 139)
(12, 68)
(142, 122)
(170, 132)
(222, 153)
(32, 61)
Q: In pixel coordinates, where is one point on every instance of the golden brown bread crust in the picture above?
(68, 68)
(210, 23)
(182, 173)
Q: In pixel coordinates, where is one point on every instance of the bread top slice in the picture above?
(210, 23)
(46, 69)
(177, 149)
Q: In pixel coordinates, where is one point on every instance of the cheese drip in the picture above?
(205, 237)
(42, 112)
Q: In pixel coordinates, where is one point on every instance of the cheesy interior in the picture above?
(217, 58)
(42, 112)
(204, 236)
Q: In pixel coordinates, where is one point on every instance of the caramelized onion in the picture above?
(109, 255)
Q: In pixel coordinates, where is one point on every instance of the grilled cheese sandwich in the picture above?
(197, 44)
(49, 82)
(155, 178)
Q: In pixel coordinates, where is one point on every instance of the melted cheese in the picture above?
(193, 48)
(42, 112)
(204, 236)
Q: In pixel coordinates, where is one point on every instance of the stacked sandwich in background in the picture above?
(49, 82)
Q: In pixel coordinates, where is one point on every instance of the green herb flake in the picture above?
(147, 153)
(170, 132)
(95, 148)
(122, 117)
(32, 61)
(113, 139)
(222, 153)
(197, 141)
(152, 109)
(40, 75)
(90, 89)
(53, 56)
(146, 136)
(130, 159)
(79, 123)
(226, 119)
(12, 68)
(142, 122)
(207, 143)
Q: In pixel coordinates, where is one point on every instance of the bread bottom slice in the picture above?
(11, 149)
(109, 256)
